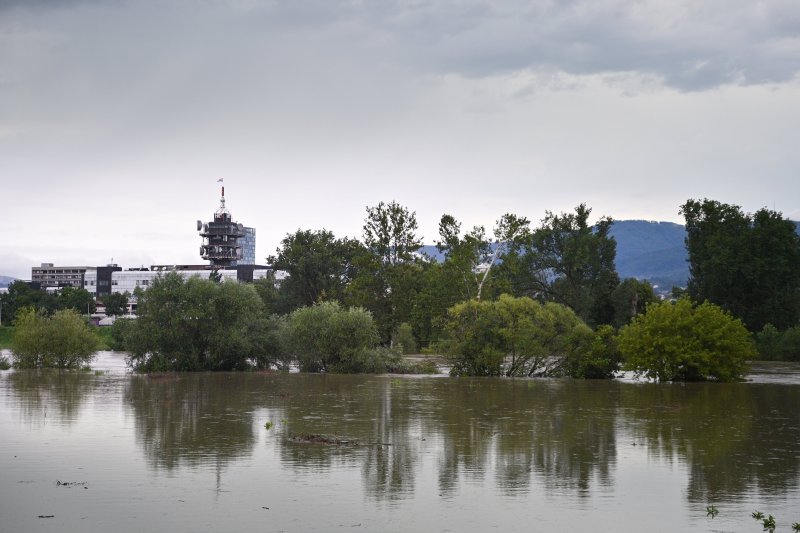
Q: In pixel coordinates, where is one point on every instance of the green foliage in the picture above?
(389, 276)
(116, 303)
(630, 298)
(774, 345)
(6, 333)
(79, 299)
(390, 233)
(64, 340)
(20, 295)
(119, 333)
(571, 262)
(319, 265)
(712, 511)
(325, 337)
(680, 342)
(748, 264)
(512, 337)
(5, 364)
(403, 338)
(197, 324)
(597, 358)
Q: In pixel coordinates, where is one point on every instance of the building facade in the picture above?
(48, 275)
(248, 243)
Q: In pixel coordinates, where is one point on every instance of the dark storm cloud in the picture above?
(688, 44)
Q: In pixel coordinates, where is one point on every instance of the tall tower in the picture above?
(221, 237)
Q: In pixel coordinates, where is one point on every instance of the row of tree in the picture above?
(566, 260)
(748, 264)
(199, 324)
(527, 301)
(22, 295)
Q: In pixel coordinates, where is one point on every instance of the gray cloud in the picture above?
(689, 45)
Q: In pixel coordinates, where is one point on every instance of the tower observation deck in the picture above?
(221, 238)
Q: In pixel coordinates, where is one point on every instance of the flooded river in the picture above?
(227, 452)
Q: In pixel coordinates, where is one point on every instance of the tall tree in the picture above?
(571, 262)
(748, 264)
(390, 274)
(390, 232)
(319, 266)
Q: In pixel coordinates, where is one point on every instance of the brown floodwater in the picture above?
(192, 452)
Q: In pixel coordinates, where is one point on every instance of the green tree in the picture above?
(20, 295)
(681, 342)
(390, 233)
(630, 298)
(390, 275)
(325, 337)
(78, 299)
(116, 303)
(471, 258)
(747, 264)
(778, 346)
(571, 262)
(197, 324)
(63, 340)
(597, 358)
(512, 337)
(319, 267)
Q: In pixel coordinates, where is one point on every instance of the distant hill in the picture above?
(6, 280)
(654, 251)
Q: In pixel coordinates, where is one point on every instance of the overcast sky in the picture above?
(118, 117)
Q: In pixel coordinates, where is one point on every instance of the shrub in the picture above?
(64, 340)
(512, 337)
(681, 342)
(119, 332)
(325, 337)
(598, 356)
(197, 324)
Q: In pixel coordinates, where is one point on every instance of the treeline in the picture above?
(21, 296)
(515, 300)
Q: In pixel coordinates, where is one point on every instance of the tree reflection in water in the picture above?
(49, 395)
(735, 438)
(193, 419)
(560, 435)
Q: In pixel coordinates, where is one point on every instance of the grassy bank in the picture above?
(5, 336)
(104, 334)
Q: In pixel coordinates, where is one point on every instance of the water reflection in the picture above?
(560, 432)
(191, 419)
(561, 436)
(54, 396)
(734, 438)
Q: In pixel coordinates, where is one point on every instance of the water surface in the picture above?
(192, 453)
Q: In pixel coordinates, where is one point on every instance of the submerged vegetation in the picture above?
(63, 340)
(513, 301)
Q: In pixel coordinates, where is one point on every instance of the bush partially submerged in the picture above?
(63, 340)
(515, 337)
(325, 337)
(681, 342)
(197, 324)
